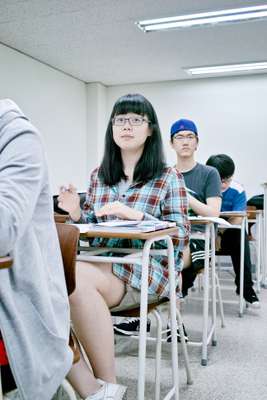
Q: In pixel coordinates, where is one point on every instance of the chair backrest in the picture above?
(250, 212)
(256, 201)
(68, 239)
(61, 218)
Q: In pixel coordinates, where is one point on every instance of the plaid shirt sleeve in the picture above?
(169, 193)
(162, 198)
(88, 215)
(175, 207)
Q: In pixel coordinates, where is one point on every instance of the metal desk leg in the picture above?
(241, 281)
(264, 244)
(213, 285)
(206, 297)
(175, 374)
(259, 251)
(143, 320)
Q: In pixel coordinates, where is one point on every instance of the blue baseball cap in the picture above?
(183, 125)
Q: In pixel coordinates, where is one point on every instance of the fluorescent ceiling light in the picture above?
(221, 69)
(206, 18)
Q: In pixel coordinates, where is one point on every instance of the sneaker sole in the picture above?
(256, 305)
(121, 332)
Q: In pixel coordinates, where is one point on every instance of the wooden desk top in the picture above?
(129, 235)
(200, 221)
(5, 262)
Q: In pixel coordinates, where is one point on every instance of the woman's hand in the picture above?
(120, 210)
(69, 201)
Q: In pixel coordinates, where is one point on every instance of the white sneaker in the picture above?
(65, 393)
(110, 391)
(256, 305)
(13, 395)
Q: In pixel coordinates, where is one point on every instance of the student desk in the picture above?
(242, 227)
(5, 262)
(256, 216)
(142, 255)
(209, 237)
(264, 264)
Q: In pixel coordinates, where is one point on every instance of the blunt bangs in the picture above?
(133, 103)
(152, 160)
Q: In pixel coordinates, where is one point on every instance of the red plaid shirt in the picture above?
(162, 198)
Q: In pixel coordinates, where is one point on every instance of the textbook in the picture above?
(125, 226)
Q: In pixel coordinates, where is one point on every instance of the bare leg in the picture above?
(187, 257)
(82, 379)
(97, 290)
(187, 262)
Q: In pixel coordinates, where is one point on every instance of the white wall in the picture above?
(72, 116)
(230, 114)
(57, 106)
(96, 123)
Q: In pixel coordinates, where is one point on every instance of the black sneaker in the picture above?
(169, 336)
(251, 298)
(130, 326)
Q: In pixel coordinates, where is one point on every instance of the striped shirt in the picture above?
(162, 198)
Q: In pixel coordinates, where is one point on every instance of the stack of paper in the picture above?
(127, 226)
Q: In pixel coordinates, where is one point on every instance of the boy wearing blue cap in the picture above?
(204, 192)
(203, 185)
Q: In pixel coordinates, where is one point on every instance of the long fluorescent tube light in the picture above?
(206, 18)
(220, 69)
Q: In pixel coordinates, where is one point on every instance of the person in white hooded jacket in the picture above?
(34, 310)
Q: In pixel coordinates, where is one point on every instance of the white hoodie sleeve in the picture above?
(21, 176)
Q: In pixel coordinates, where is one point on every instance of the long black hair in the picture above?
(152, 160)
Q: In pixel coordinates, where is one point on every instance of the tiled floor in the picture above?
(237, 367)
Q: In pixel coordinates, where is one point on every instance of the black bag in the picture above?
(256, 201)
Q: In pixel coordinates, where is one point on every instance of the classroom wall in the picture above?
(72, 116)
(57, 104)
(230, 114)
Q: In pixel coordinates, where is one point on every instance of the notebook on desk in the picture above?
(125, 226)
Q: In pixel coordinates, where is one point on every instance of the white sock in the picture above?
(98, 395)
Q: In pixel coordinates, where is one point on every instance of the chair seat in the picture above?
(135, 312)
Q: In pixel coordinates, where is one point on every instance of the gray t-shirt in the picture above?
(202, 182)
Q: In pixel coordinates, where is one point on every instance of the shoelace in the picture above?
(130, 320)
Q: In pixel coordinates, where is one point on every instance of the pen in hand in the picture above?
(69, 200)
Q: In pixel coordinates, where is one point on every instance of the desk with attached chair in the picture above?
(208, 334)
(242, 228)
(94, 255)
(264, 262)
(255, 216)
